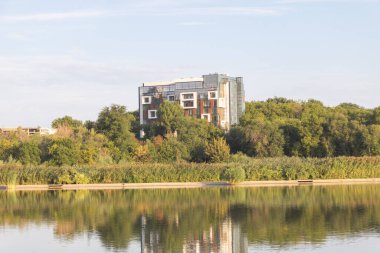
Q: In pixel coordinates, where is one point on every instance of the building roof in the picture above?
(181, 80)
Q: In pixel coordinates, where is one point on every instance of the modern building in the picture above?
(217, 98)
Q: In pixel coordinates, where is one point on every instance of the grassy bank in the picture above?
(240, 169)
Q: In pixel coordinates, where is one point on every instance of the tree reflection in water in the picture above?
(199, 220)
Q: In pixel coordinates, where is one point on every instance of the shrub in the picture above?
(217, 151)
(171, 150)
(233, 174)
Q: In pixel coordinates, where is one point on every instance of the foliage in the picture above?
(66, 121)
(255, 169)
(171, 150)
(29, 152)
(273, 128)
(170, 116)
(308, 129)
(260, 139)
(115, 123)
(233, 174)
(217, 151)
(64, 152)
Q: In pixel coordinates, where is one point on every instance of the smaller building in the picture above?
(29, 130)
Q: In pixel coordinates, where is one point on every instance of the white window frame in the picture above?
(168, 98)
(209, 95)
(149, 114)
(194, 100)
(208, 116)
(146, 103)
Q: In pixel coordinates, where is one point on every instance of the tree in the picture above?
(170, 116)
(115, 123)
(66, 121)
(63, 151)
(195, 134)
(376, 116)
(261, 139)
(217, 151)
(171, 150)
(29, 152)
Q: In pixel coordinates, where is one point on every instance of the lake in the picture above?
(283, 219)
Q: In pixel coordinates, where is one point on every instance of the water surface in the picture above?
(288, 219)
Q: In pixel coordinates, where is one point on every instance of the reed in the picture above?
(285, 168)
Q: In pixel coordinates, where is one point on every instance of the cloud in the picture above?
(54, 16)
(192, 23)
(138, 11)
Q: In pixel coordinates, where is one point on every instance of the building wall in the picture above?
(224, 110)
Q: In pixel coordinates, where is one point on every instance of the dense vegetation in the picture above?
(240, 168)
(280, 127)
(108, 150)
(275, 128)
(278, 217)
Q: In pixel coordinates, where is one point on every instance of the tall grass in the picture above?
(255, 169)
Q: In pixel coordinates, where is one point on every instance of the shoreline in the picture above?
(184, 185)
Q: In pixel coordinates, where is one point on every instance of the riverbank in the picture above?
(123, 186)
(241, 170)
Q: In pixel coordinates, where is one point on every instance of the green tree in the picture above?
(195, 134)
(376, 116)
(66, 121)
(217, 151)
(261, 139)
(171, 150)
(170, 116)
(29, 152)
(115, 123)
(63, 151)
(312, 121)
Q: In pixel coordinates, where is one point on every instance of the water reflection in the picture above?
(198, 220)
(226, 237)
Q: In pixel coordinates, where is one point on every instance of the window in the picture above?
(206, 103)
(152, 114)
(146, 100)
(189, 100)
(188, 96)
(212, 95)
(171, 98)
(206, 117)
(188, 104)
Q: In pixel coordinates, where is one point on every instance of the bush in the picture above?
(233, 174)
(171, 150)
(217, 151)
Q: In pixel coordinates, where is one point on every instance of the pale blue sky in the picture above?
(76, 56)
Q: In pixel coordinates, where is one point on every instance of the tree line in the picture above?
(274, 128)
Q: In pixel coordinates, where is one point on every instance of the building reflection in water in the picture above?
(226, 237)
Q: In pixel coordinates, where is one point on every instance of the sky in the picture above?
(74, 57)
